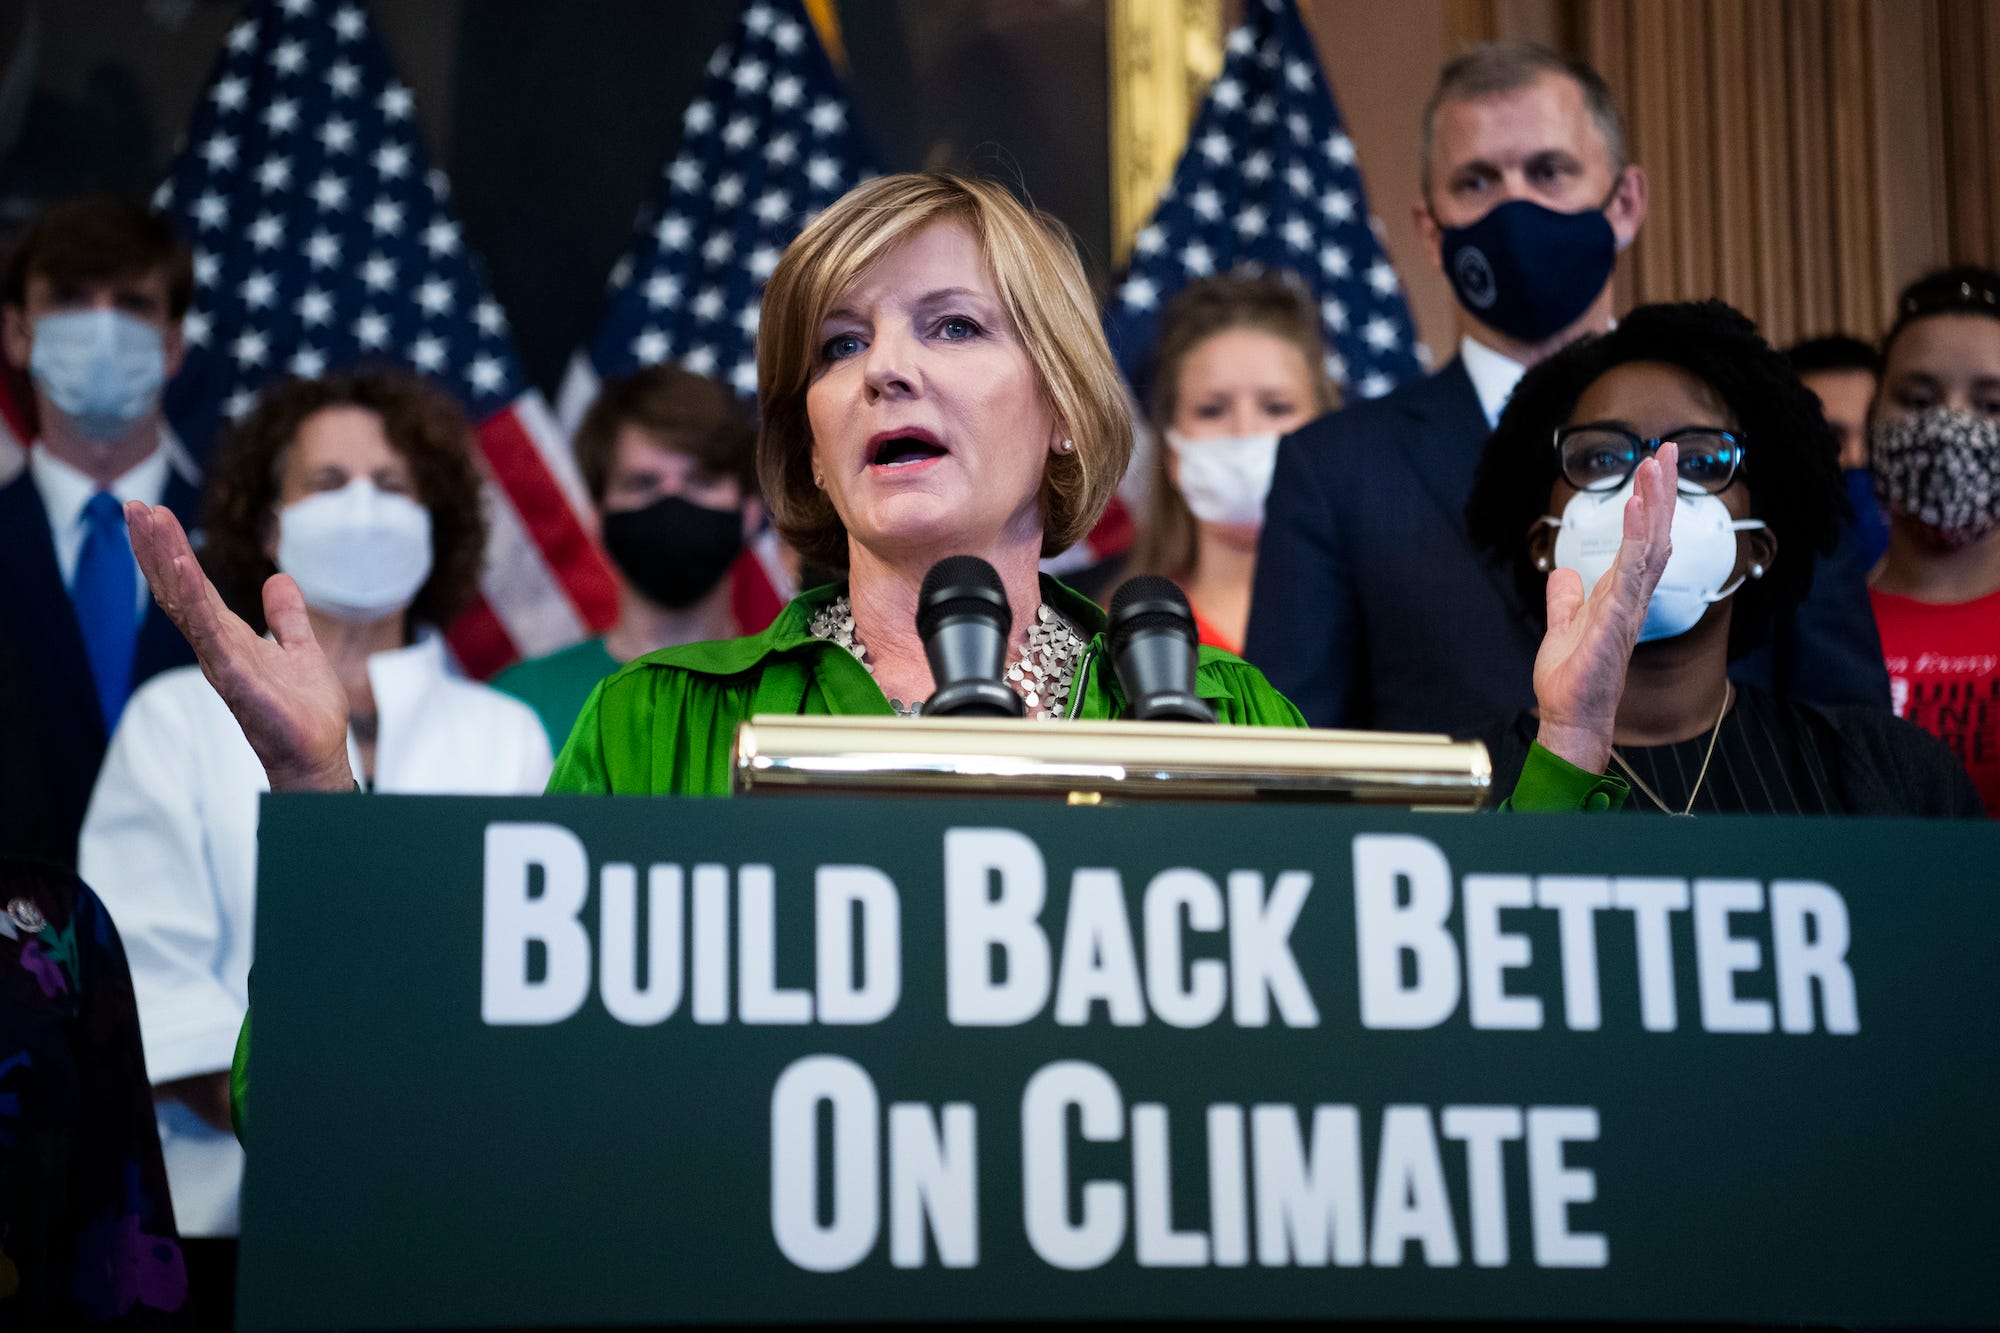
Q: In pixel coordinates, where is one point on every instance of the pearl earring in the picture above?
(1542, 563)
(819, 481)
(1066, 447)
(1756, 571)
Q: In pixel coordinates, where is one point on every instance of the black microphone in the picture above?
(1153, 645)
(963, 619)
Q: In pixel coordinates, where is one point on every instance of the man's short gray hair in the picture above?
(1492, 68)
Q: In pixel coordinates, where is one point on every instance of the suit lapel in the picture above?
(1444, 446)
(47, 632)
(1448, 435)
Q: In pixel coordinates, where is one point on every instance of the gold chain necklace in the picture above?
(1714, 733)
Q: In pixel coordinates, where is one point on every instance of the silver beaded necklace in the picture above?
(1043, 671)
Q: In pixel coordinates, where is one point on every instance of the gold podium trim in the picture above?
(1089, 762)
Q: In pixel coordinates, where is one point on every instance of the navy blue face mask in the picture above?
(1527, 270)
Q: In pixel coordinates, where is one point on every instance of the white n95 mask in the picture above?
(1704, 537)
(359, 552)
(1224, 479)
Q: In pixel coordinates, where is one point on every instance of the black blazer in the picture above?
(1373, 609)
(57, 734)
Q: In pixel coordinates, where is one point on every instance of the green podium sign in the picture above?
(572, 1062)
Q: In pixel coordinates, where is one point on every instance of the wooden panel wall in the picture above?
(1808, 157)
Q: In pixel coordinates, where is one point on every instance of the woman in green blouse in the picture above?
(933, 381)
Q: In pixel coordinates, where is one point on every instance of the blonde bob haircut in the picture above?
(1040, 279)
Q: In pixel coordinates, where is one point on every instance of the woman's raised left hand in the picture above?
(1580, 670)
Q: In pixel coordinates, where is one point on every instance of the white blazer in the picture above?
(170, 844)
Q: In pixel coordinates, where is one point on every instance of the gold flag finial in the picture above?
(827, 20)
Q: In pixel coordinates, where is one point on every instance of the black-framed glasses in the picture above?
(1600, 457)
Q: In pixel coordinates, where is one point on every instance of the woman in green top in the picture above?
(933, 381)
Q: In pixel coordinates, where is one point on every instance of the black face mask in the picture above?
(673, 551)
(1526, 269)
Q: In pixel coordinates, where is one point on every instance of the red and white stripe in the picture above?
(546, 584)
(15, 432)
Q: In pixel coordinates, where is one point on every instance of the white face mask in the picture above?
(358, 553)
(1224, 478)
(1704, 556)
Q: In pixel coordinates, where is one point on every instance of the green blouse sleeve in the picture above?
(1241, 696)
(655, 729)
(1550, 783)
(239, 1080)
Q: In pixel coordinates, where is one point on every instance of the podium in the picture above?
(578, 1062)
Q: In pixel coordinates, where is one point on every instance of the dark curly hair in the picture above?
(422, 423)
(1789, 460)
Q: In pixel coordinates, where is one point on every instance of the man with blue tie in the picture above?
(91, 303)
(1371, 608)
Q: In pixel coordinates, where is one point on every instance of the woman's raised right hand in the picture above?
(283, 694)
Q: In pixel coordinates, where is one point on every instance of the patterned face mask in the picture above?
(1940, 467)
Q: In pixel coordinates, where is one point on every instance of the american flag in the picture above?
(322, 238)
(1269, 178)
(767, 143)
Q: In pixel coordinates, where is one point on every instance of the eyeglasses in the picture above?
(1597, 457)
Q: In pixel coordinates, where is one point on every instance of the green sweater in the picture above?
(556, 686)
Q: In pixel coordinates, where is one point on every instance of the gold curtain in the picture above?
(1969, 40)
(1808, 157)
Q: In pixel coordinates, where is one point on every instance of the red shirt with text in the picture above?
(1944, 675)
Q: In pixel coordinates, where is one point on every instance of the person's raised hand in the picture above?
(283, 694)
(1580, 670)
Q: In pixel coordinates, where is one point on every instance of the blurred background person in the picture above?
(91, 301)
(1935, 436)
(1373, 607)
(669, 458)
(1758, 494)
(87, 1235)
(361, 487)
(1843, 373)
(1240, 363)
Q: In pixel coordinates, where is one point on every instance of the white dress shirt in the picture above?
(65, 491)
(1493, 376)
(170, 844)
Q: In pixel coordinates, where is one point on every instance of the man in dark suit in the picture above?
(91, 304)
(1371, 607)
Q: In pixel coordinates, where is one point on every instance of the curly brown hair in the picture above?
(422, 423)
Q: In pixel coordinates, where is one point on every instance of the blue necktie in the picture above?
(106, 598)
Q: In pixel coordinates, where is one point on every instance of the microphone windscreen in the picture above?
(1151, 603)
(962, 585)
